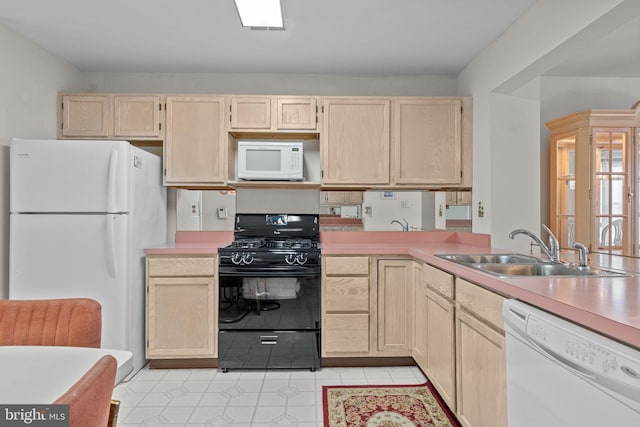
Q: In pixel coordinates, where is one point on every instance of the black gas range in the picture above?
(269, 312)
(272, 245)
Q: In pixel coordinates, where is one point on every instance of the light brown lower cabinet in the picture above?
(181, 307)
(440, 327)
(419, 351)
(395, 307)
(434, 337)
(346, 306)
(481, 383)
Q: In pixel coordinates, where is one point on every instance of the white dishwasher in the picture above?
(562, 375)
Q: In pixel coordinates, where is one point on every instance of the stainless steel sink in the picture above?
(517, 265)
(542, 269)
(490, 258)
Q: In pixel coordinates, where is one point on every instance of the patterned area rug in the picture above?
(385, 406)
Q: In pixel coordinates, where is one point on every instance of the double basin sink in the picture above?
(517, 265)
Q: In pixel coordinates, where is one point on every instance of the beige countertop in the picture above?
(608, 305)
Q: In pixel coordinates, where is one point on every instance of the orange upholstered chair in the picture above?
(89, 399)
(73, 322)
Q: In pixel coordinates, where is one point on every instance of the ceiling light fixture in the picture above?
(260, 13)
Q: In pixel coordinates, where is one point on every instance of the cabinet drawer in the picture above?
(483, 303)
(346, 266)
(181, 266)
(345, 333)
(438, 280)
(346, 294)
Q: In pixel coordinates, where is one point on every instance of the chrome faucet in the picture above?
(552, 250)
(405, 226)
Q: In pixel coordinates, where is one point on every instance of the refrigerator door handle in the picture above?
(111, 182)
(112, 265)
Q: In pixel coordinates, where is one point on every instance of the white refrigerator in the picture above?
(81, 214)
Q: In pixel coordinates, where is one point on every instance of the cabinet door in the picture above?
(297, 113)
(427, 141)
(136, 116)
(180, 317)
(353, 196)
(439, 328)
(419, 351)
(194, 146)
(464, 198)
(452, 198)
(395, 307)
(481, 373)
(355, 141)
(250, 112)
(85, 116)
(335, 197)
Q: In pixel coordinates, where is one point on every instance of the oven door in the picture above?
(269, 301)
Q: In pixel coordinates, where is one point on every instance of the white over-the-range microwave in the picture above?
(270, 160)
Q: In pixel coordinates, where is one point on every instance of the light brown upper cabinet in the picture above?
(272, 113)
(137, 116)
(459, 198)
(250, 112)
(110, 116)
(427, 141)
(195, 141)
(341, 197)
(84, 116)
(297, 113)
(355, 141)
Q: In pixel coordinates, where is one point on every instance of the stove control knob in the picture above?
(247, 258)
(290, 258)
(301, 258)
(236, 258)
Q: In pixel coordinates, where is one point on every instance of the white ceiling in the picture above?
(382, 37)
(400, 37)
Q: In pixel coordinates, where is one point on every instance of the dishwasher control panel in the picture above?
(582, 351)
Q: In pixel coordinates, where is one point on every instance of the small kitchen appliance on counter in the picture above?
(81, 214)
(269, 310)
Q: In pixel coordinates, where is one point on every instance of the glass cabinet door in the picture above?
(565, 185)
(610, 193)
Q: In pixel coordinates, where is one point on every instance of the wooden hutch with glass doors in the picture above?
(594, 167)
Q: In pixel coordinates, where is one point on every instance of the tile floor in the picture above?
(207, 397)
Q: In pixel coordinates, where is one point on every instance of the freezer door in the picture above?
(67, 256)
(69, 176)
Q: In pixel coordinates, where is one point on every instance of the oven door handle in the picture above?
(268, 339)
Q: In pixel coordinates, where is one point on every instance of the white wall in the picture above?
(515, 173)
(381, 207)
(549, 33)
(30, 79)
(271, 84)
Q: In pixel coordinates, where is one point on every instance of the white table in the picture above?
(41, 374)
